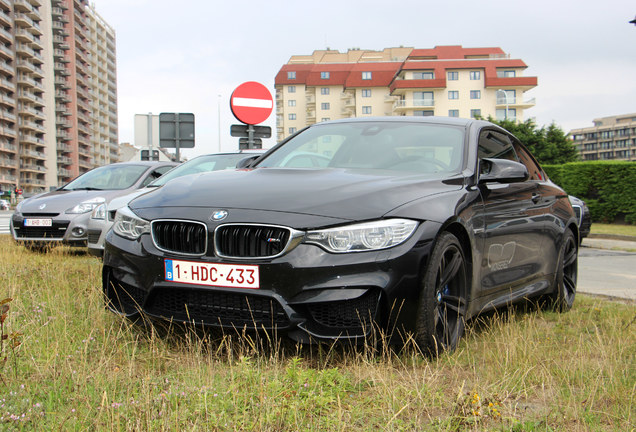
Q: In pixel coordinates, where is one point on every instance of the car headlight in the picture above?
(99, 212)
(129, 225)
(362, 237)
(86, 206)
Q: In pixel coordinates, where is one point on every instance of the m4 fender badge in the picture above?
(219, 215)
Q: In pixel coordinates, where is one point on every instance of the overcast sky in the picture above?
(189, 55)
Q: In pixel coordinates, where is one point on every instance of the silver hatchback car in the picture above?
(61, 216)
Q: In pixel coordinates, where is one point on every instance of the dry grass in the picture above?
(80, 367)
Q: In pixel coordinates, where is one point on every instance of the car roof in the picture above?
(455, 121)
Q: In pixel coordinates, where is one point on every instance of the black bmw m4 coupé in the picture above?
(402, 223)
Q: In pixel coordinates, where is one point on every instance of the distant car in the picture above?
(583, 216)
(61, 216)
(414, 225)
(103, 215)
(4, 204)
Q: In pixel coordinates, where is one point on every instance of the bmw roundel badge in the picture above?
(219, 215)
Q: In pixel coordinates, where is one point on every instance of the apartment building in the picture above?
(611, 138)
(58, 101)
(443, 81)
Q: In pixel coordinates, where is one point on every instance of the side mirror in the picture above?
(244, 163)
(502, 171)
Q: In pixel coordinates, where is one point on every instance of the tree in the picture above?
(549, 145)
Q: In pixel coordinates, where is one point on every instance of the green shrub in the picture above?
(606, 187)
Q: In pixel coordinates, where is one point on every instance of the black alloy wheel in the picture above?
(562, 298)
(442, 308)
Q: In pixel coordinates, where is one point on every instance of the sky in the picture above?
(189, 55)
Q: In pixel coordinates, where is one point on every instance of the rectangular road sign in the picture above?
(176, 130)
(242, 130)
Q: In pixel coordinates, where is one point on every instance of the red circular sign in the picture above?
(251, 103)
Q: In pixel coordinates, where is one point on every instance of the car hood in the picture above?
(335, 193)
(59, 201)
(123, 200)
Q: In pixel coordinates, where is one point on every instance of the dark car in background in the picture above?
(61, 216)
(411, 225)
(583, 216)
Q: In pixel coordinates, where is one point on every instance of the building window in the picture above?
(475, 94)
(324, 91)
(292, 130)
(424, 113)
(453, 113)
(453, 94)
(474, 113)
(366, 110)
(475, 75)
(366, 92)
(501, 114)
(453, 76)
(324, 75)
(291, 102)
(366, 75)
(291, 116)
(506, 74)
(423, 99)
(324, 106)
(291, 75)
(291, 89)
(325, 119)
(424, 75)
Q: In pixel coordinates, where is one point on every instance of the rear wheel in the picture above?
(562, 298)
(442, 307)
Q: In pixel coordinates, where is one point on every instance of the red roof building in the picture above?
(443, 81)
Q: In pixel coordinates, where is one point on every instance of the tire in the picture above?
(442, 305)
(562, 297)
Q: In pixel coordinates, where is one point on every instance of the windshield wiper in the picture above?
(85, 188)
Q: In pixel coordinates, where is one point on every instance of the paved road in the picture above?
(602, 271)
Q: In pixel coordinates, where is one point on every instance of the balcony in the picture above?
(6, 85)
(8, 163)
(514, 102)
(409, 104)
(64, 148)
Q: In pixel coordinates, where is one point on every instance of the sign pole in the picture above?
(250, 136)
(177, 137)
(149, 117)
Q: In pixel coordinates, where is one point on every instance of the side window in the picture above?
(535, 171)
(155, 174)
(493, 144)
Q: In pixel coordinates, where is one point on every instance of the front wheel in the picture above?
(442, 306)
(562, 298)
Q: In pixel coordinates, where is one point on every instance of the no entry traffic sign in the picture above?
(251, 103)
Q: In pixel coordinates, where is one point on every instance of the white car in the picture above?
(103, 215)
(4, 204)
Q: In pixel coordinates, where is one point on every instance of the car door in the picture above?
(512, 224)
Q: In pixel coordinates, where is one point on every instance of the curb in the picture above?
(612, 237)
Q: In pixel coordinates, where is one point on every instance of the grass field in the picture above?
(79, 367)
(616, 229)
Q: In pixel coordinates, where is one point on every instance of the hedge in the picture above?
(608, 188)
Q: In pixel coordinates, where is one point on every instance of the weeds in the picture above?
(80, 367)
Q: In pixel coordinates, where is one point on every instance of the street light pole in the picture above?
(506, 101)
(219, 114)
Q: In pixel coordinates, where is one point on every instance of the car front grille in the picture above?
(348, 315)
(53, 232)
(230, 310)
(93, 236)
(251, 241)
(182, 237)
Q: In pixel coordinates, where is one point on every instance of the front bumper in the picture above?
(65, 228)
(306, 293)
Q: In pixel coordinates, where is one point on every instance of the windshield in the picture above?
(201, 164)
(393, 146)
(109, 177)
